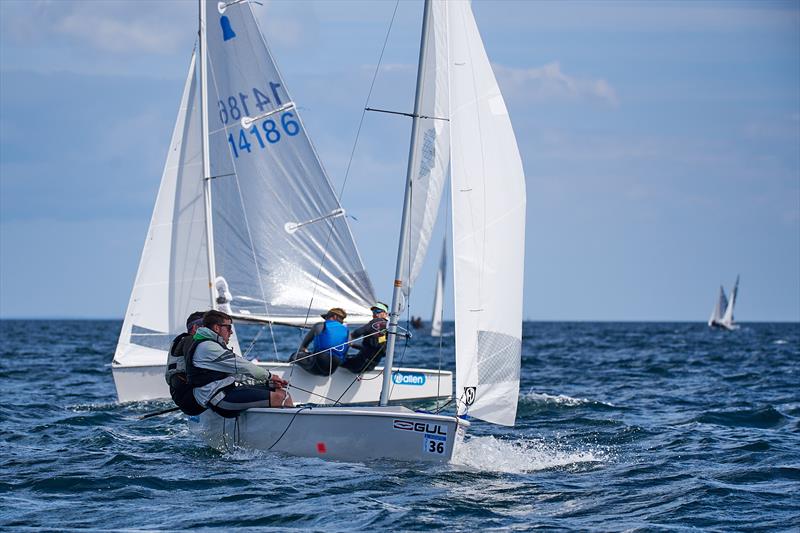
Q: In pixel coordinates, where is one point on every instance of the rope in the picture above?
(287, 427)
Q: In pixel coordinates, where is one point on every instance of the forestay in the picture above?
(281, 240)
(488, 195)
(172, 279)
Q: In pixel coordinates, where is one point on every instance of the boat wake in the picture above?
(520, 456)
(541, 398)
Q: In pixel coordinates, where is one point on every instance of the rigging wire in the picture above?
(447, 223)
(350, 161)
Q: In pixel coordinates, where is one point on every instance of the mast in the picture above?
(212, 274)
(394, 316)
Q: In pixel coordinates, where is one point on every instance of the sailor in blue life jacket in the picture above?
(217, 374)
(330, 344)
(179, 388)
(370, 339)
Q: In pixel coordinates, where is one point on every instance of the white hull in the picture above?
(137, 383)
(722, 325)
(336, 433)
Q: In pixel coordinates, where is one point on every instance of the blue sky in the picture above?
(660, 140)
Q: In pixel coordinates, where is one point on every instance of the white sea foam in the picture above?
(560, 399)
(781, 341)
(519, 456)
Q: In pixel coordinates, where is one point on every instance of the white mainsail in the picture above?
(727, 319)
(438, 295)
(281, 240)
(172, 279)
(719, 307)
(488, 196)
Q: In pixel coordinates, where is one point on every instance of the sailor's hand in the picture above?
(278, 381)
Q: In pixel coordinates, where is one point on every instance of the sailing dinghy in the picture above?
(722, 314)
(460, 127)
(247, 222)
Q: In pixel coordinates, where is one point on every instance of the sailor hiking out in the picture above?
(216, 374)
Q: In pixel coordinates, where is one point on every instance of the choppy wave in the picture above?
(766, 417)
(560, 400)
(620, 426)
(490, 454)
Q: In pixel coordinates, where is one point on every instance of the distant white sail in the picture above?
(172, 279)
(727, 319)
(281, 239)
(722, 315)
(488, 195)
(438, 295)
(719, 307)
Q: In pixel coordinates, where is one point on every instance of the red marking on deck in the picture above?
(321, 447)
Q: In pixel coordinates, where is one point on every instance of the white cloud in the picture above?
(116, 35)
(549, 82)
(108, 26)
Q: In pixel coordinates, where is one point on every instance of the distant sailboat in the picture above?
(722, 315)
(438, 296)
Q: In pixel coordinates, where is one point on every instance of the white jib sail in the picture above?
(488, 194)
(438, 295)
(430, 154)
(719, 307)
(172, 279)
(727, 319)
(281, 240)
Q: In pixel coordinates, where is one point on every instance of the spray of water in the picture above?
(520, 456)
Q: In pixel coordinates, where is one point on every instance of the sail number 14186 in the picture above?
(268, 132)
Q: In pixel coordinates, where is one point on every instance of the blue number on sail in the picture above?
(274, 86)
(233, 145)
(244, 144)
(254, 131)
(271, 132)
(227, 30)
(261, 99)
(291, 127)
(234, 107)
(243, 99)
(223, 112)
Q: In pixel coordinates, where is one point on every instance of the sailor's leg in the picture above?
(240, 398)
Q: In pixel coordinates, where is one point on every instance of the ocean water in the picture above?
(621, 426)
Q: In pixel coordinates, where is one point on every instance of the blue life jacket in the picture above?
(333, 338)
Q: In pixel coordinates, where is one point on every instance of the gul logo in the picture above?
(420, 427)
(408, 378)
